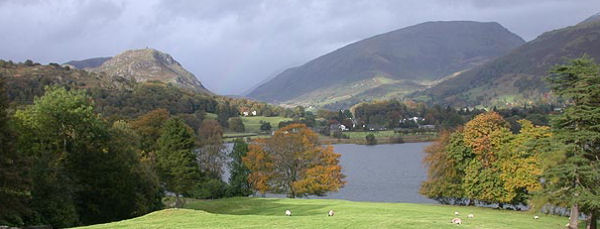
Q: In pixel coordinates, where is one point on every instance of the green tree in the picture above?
(265, 126)
(236, 124)
(572, 179)
(211, 157)
(238, 179)
(15, 185)
(82, 171)
(371, 140)
(176, 162)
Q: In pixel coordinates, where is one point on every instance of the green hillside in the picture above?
(269, 213)
(389, 65)
(518, 77)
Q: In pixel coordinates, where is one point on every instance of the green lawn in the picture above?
(269, 213)
(252, 123)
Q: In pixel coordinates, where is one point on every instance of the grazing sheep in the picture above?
(455, 213)
(536, 217)
(288, 213)
(456, 221)
(470, 216)
(330, 213)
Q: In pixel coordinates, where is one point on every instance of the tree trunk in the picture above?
(177, 201)
(574, 217)
(591, 221)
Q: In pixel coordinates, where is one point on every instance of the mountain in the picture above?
(144, 65)
(87, 63)
(389, 65)
(518, 77)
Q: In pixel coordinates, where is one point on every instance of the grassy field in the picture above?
(269, 213)
(252, 123)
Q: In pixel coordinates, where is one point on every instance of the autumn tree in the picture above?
(294, 163)
(572, 179)
(485, 135)
(519, 162)
(176, 162)
(446, 160)
(211, 155)
(149, 127)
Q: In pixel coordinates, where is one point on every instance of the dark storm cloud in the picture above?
(232, 45)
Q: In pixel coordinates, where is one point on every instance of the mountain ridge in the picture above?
(517, 78)
(418, 54)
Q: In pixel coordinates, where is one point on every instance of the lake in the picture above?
(381, 173)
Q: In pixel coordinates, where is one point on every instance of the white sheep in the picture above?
(288, 213)
(471, 216)
(456, 213)
(536, 217)
(330, 213)
(456, 221)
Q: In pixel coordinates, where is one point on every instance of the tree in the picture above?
(447, 159)
(82, 171)
(572, 177)
(519, 162)
(149, 127)
(371, 140)
(265, 126)
(176, 162)
(236, 124)
(238, 179)
(211, 155)
(293, 162)
(15, 185)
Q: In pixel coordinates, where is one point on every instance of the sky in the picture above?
(231, 46)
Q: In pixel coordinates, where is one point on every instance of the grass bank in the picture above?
(269, 213)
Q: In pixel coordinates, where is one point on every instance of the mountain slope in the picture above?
(410, 58)
(150, 65)
(518, 77)
(88, 63)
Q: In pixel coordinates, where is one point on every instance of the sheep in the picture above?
(456, 221)
(471, 216)
(536, 217)
(330, 213)
(288, 213)
(456, 213)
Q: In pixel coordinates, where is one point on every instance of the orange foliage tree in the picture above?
(293, 162)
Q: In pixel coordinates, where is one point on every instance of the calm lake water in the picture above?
(381, 173)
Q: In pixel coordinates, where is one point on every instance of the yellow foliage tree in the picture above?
(293, 162)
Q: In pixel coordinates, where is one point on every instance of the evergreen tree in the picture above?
(238, 180)
(176, 163)
(573, 178)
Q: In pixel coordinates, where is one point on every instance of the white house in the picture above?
(245, 113)
(253, 113)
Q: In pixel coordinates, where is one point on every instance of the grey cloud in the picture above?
(231, 45)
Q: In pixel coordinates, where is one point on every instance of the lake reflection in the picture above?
(381, 173)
